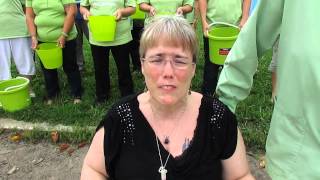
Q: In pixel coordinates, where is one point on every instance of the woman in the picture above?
(167, 131)
(293, 143)
(15, 41)
(171, 7)
(119, 47)
(53, 21)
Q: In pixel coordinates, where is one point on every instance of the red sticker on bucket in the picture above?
(224, 51)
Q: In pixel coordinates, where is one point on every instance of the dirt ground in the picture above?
(45, 161)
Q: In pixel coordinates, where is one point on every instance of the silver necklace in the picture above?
(162, 170)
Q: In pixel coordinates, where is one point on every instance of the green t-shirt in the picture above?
(228, 11)
(12, 19)
(109, 7)
(49, 19)
(165, 7)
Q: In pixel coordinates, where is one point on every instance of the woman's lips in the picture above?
(167, 87)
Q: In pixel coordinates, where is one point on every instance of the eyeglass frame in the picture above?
(164, 62)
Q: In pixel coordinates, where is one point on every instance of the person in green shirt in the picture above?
(15, 41)
(165, 7)
(293, 142)
(119, 47)
(53, 21)
(235, 12)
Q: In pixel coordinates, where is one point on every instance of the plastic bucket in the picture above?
(221, 39)
(138, 14)
(102, 28)
(50, 55)
(14, 94)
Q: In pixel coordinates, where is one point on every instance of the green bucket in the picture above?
(102, 28)
(221, 39)
(138, 14)
(14, 94)
(50, 55)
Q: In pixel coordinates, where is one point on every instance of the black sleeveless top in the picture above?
(131, 152)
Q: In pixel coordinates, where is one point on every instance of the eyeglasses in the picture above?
(160, 62)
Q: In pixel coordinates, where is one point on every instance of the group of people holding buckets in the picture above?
(55, 40)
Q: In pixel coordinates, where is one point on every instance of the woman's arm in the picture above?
(70, 10)
(245, 12)
(93, 164)
(124, 12)
(236, 167)
(203, 15)
(184, 9)
(31, 27)
(147, 8)
(84, 10)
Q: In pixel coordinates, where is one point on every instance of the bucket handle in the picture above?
(17, 86)
(221, 23)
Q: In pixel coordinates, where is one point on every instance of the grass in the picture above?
(254, 113)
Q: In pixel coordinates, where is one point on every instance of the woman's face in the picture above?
(168, 71)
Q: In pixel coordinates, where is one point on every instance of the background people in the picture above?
(15, 41)
(121, 9)
(59, 29)
(234, 12)
(293, 142)
(172, 7)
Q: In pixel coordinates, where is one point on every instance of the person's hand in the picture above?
(242, 22)
(34, 42)
(118, 14)
(179, 11)
(86, 15)
(205, 28)
(152, 11)
(195, 23)
(61, 41)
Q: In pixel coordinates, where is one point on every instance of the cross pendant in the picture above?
(163, 172)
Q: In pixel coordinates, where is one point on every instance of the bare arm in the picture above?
(184, 9)
(31, 27)
(124, 12)
(203, 15)
(245, 12)
(70, 10)
(93, 164)
(84, 10)
(148, 8)
(236, 167)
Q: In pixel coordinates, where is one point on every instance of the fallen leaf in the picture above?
(12, 170)
(63, 147)
(16, 137)
(70, 151)
(54, 136)
(82, 144)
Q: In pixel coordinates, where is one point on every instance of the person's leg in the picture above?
(273, 68)
(71, 69)
(23, 58)
(210, 72)
(135, 43)
(85, 30)
(100, 56)
(121, 57)
(5, 59)
(51, 83)
(79, 40)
